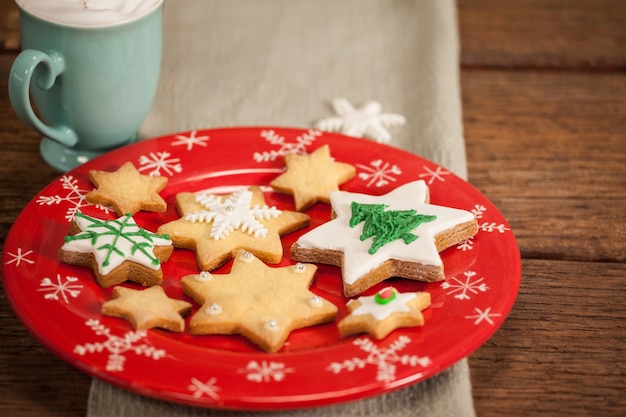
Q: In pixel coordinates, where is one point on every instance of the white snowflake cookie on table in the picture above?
(366, 121)
(216, 226)
(116, 250)
(373, 238)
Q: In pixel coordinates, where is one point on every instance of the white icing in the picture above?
(338, 235)
(203, 276)
(315, 301)
(124, 246)
(382, 311)
(271, 325)
(214, 309)
(235, 212)
(246, 257)
(89, 12)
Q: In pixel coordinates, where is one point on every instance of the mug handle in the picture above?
(20, 77)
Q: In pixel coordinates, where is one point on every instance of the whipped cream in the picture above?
(89, 12)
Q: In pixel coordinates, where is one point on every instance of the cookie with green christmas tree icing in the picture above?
(116, 250)
(373, 238)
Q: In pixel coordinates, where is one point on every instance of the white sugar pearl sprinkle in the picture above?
(315, 301)
(214, 309)
(204, 276)
(271, 325)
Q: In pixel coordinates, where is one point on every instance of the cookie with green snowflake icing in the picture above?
(373, 238)
(116, 250)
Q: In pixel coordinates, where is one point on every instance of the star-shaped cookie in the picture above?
(262, 303)
(384, 312)
(127, 191)
(216, 227)
(311, 178)
(373, 238)
(147, 308)
(116, 250)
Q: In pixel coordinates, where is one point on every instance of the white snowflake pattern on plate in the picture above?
(265, 371)
(483, 315)
(191, 140)
(379, 173)
(488, 227)
(118, 346)
(159, 163)
(463, 288)
(65, 289)
(298, 146)
(432, 175)
(18, 257)
(386, 360)
(75, 197)
(208, 388)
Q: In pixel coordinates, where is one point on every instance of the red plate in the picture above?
(60, 304)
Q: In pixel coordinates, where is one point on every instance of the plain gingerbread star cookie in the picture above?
(216, 227)
(148, 308)
(384, 312)
(127, 191)
(262, 303)
(311, 178)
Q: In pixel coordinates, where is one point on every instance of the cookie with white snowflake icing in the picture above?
(384, 312)
(259, 302)
(373, 238)
(116, 250)
(216, 227)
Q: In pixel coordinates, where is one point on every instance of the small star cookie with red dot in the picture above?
(384, 312)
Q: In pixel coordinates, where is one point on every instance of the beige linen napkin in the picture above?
(282, 62)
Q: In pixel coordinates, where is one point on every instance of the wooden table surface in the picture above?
(544, 102)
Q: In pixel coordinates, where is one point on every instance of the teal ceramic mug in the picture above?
(86, 81)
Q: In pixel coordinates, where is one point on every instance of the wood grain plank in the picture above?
(571, 34)
(560, 352)
(549, 149)
(9, 26)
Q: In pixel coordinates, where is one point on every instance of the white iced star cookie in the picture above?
(383, 312)
(365, 121)
(373, 238)
(116, 250)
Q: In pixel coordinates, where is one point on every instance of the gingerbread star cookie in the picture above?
(216, 227)
(116, 250)
(311, 178)
(147, 308)
(373, 238)
(262, 303)
(384, 312)
(127, 191)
